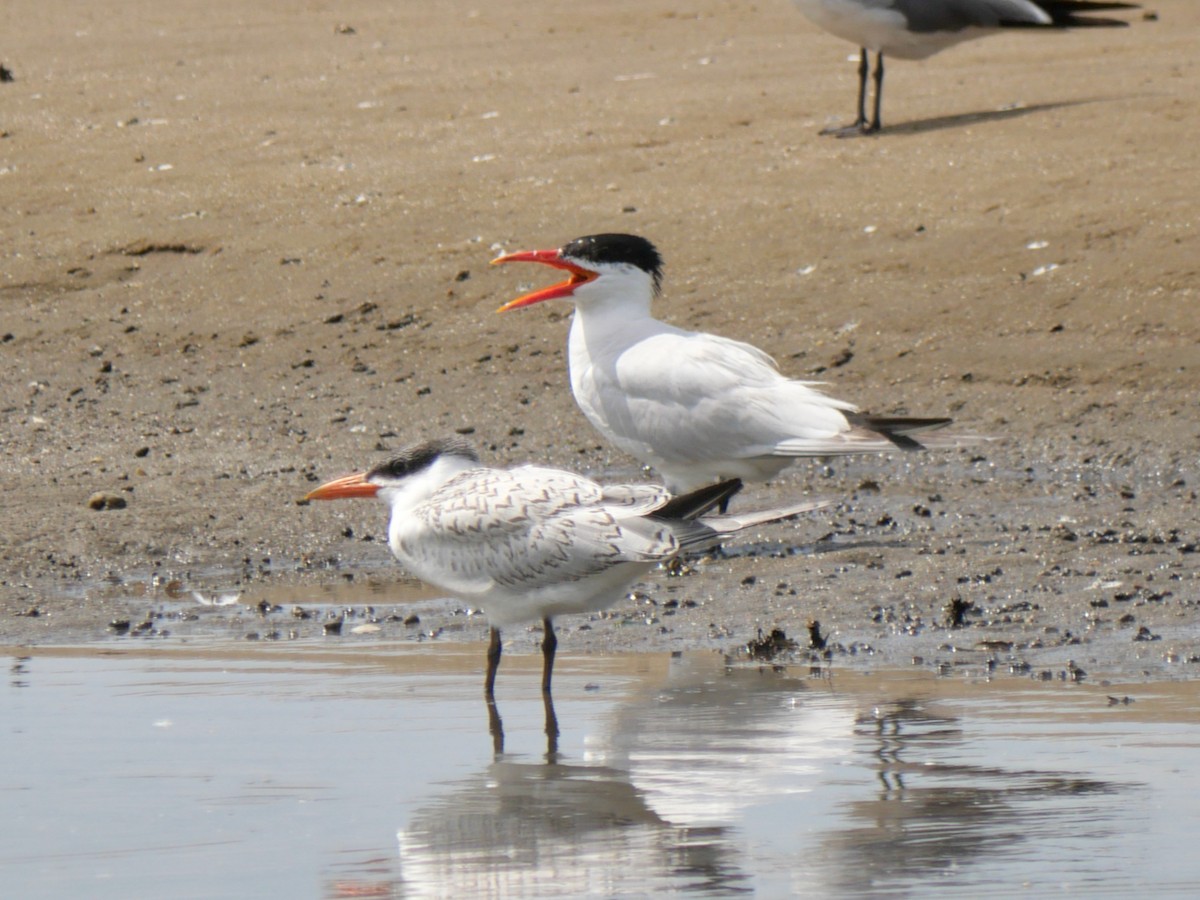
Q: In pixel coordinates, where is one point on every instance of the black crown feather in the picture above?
(618, 248)
(415, 457)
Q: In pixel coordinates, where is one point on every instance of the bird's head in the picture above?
(412, 474)
(600, 266)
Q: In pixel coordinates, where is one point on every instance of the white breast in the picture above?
(881, 27)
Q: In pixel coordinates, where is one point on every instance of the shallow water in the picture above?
(300, 771)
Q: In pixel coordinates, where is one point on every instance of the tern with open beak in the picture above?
(532, 543)
(696, 407)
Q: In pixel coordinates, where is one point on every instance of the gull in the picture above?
(531, 542)
(916, 29)
(694, 406)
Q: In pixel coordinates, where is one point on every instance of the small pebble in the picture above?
(105, 500)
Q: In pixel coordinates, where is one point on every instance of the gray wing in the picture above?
(925, 16)
(526, 528)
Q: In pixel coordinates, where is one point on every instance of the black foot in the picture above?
(853, 130)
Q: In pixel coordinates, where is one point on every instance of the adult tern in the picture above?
(694, 406)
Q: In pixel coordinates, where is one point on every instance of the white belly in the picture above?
(881, 29)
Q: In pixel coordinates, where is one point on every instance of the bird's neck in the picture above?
(612, 311)
(412, 492)
(601, 331)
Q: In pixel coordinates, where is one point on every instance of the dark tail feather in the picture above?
(708, 532)
(897, 428)
(1075, 14)
(696, 503)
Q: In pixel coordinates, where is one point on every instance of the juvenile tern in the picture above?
(532, 543)
(916, 29)
(696, 407)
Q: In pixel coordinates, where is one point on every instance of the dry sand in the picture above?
(246, 248)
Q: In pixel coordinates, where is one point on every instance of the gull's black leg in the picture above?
(864, 69)
(861, 125)
(876, 121)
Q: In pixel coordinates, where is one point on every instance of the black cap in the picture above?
(618, 248)
(415, 457)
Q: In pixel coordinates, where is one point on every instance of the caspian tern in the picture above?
(916, 29)
(696, 407)
(532, 543)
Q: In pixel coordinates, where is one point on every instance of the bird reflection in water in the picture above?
(556, 828)
(496, 727)
(936, 814)
(653, 803)
(729, 781)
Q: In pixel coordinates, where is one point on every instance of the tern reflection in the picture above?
(710, 745)
(726, 781)
(934, 815)
(652, 804)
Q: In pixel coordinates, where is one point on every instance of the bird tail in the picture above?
(731, 524)
(898, 430)
(1074, 14)
(681, 516)
(705, 532)
(696, 503)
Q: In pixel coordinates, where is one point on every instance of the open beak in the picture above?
(579, 275)
(355, 485)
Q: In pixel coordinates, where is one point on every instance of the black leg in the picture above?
(549, 645)
(860, 125)
(863, 69)
(876, 122)
(493, 663)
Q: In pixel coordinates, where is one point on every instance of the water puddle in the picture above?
(299, 770)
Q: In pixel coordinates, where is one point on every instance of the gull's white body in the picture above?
(916, 29)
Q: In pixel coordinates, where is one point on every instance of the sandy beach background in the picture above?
(246, 248)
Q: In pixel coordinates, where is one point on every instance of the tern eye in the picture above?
(397, 468)
(418, 457)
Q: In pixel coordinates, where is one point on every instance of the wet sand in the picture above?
(247, 250)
